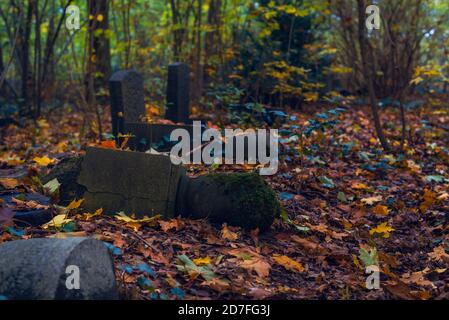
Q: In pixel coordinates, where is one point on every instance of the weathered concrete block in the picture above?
(37, 269)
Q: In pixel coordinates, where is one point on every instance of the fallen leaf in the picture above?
(57, 222)
(359, 186)
(186, 265)
(307, 244)
(371, 200)
(259, 293)
(381, 210)
(88, 216)
(382, 229)
(228, 234)
(438, 254)
(288, 263)
(9, 183)
(202, 261)
(168, 225)
(218, 285)
(418, 278)
(135, 224)
(260, 266)
(75, 204)
(30, 204)
(109, 144)
(44, 161)
(52, 186)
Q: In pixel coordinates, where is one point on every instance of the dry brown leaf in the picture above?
(228, 234)
(168, 225)
(260, 266)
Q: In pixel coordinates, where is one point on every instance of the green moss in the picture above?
(256, 204)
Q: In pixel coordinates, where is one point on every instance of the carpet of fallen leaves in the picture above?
(348, 205)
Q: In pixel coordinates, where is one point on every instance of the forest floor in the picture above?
(347, 205)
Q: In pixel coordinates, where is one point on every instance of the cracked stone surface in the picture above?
(132, 182)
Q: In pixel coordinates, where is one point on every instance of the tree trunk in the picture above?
(100, 40)
(24, 109)
(367, 70)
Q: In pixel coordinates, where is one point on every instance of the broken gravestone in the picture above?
(133, 182)
(49, 269)
(178, 93)
(147, 184)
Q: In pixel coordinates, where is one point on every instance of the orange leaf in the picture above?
(75, 204)
(381, 210)
(168, 225)
(9, 183)
(109, 144)
(288, 263)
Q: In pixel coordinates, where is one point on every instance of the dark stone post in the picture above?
(178, 93)
(127, 99)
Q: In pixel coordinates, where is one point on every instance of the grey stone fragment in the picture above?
(35, 269)
(127, 99)
(133, 182)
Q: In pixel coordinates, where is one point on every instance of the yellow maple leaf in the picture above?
(75, 204)
(288, 263)
(381, 210)
(44, 161)
(372, 200)
(202, 261)
(57, 222)
(100, 18)
(382, 229)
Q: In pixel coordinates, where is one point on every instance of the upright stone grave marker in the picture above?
(178, 93)
(127, 99)
(128, 107)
